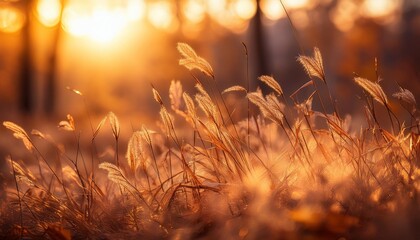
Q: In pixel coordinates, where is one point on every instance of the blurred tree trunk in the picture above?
(51, 74)
(260, 48)
(26, 81)
(260, 43)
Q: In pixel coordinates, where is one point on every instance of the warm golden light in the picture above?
(194, 10)
(48, 12)
(272, 9)
(344, 15)
(100, 23)
(75, 20)
(161, 15)
(245, 9)
(216, 7)
(378, 9)
(11, 19)
(135, 9)
(301, 19)
(233, 15)
(233, 22)
(106, 24)
(294, 4)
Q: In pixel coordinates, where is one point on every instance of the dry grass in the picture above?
(289, 172)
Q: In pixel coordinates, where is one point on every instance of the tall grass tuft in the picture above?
(283, 171)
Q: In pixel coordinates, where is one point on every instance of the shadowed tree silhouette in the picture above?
(26, 82)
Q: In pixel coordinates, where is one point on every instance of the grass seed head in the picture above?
(374, 89)
(192, 61)
(313, 66)
(115, 124)
(272, 83)
(406, 97)
(19, 133)
(175, 94)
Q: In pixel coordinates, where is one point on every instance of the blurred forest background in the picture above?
(113, 50)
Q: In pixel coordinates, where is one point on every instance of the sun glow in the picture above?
(161, 15)
(344, 15)
(48, 12)
(380, 9)
(295, 4)
(245, 9)
(136, 9)
(100, 23)
(272, 9)
(11, 19)
(194, 11)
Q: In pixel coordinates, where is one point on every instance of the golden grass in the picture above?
(272, 175)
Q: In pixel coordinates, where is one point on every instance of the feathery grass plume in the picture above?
(101, 123)
(206, 104)
(257, 99)
(37, 133)
(145, 134)
(192, 61)
(135, 150)
(19, 133)
(269, 108)
(23, 174)
(67, 125)
(115, 124)
(374, 89)
(306, 107)
(186, 50)
(276, 107)
(71, 174)
(407, 97)
(191, 110)
(208, 107)
(201, 89)
(313, 65)
(167, 119)
(272, 83)
(157, 96)
(175, 94)
(116, 175)
(235, 88)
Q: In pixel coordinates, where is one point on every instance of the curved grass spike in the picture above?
(192, 61)
(374, 89)
(318, 60)
(313, 66)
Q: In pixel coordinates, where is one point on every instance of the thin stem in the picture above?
(20, 200)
